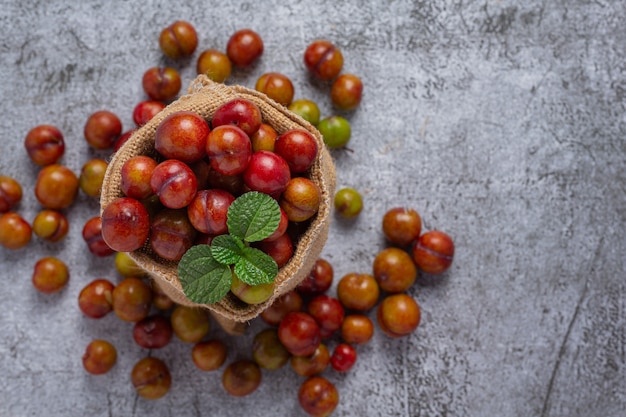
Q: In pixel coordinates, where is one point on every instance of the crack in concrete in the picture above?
(568, 332)
(109, 405)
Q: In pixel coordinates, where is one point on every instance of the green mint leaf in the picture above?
(226, 249)
(256, 267)
(204, 280)
(253, 216)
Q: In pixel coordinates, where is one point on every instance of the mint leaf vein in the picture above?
(203, 279)
(253, 216)
(256, 267)
(226, 249)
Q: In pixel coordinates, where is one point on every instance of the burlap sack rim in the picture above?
(311, 242)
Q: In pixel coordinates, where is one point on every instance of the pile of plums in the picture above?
(179, 196)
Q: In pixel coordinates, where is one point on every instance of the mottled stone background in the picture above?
(501, 122)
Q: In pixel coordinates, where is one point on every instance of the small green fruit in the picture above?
(306, 109)
(348, 202)
(251, 294)
(335, 130)
(127, 267)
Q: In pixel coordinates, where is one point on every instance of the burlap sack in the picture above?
(204, 97)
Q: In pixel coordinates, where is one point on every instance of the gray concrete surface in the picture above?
(501, 122)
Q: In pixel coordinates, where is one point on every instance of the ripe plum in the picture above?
(229, 149)
(244, 47)
(91, 177)
(15, 231)
(125, 224)
(145, 110)
(102, 129)
(44, 144)
(267, 350)
(267, 172)
(208, 211)
(190, 324)
(298, 148)
(171, 234)
(50, 225)
(152, 332)
(151, 378)
(182, 135)
(433, 252)
(95, 300)
(312, 364)
(50, 275)
(178, 40)
(318, 396)
(394, 270)
(240, 112)
(135, 176)
(299, 333)
(346, 92)
(301, 199)
(323, 59)
(319, 279)
(286, 303)
(131, 299)
(10, 193)
(99, 357)
(401, 225)
(276, 86)
(214, 64)
(398, 315)
(241, 378)
(343, 357)
(56, 187)
(161, 83)
(209, 355)
(174, 182)
(357, 329)
(358, 291)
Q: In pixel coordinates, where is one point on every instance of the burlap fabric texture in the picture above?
(204, 97)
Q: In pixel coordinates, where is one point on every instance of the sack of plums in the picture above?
(221, 213)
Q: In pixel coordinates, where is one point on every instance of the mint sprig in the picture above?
(205, 272)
